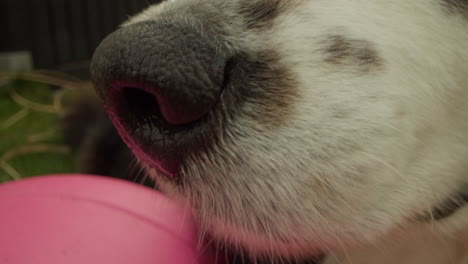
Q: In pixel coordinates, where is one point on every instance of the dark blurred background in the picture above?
(58, 34)
(50, 119)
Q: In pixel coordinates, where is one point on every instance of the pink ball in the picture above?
(90, 219)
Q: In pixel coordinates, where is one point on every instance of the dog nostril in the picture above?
(139, 103)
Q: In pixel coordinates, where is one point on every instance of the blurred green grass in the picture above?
(31, 142)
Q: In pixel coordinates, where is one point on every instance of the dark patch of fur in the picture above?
(259, 14)
(449, 207)
(350, 52)
(338, 50)
(456, 6)
(266, 86)
(446, 209)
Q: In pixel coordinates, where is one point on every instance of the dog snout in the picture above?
(158, 78)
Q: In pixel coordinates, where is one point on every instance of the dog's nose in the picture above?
(156, 78)
(160, 68)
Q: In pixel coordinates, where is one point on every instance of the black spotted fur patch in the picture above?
(267, 86)
(456, 6)
(445, 209)
(360, 54)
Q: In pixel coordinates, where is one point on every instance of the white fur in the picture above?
(363, 153)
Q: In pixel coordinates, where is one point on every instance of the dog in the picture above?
(329, 131)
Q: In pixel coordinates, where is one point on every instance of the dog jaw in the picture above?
(371, 134)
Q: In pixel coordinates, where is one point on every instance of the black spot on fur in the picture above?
(340, 50)
(450, 206)
(261, 13)
(446, 209)
(456, 6)
(265, 88)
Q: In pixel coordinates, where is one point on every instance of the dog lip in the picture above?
(169, 166)
(167, 163)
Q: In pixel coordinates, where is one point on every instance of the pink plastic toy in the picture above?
(95, 220)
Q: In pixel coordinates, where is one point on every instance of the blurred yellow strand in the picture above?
(32, 105)
(14, 119)
(29, 149)
(41, 136)
(10, 170)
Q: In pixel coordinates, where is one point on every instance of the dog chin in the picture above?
(162, 183)
(234, 238)
(256, 245)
